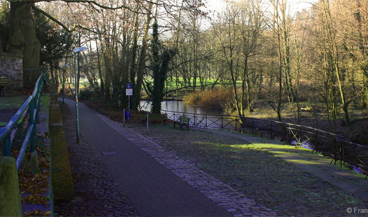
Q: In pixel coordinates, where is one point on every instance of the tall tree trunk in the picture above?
(156, 94)
(278, 109)
(132, 67)
(160, 66)
(142, 60)
(102, 85)
(23, 40)
(286, 56)
(364, 64)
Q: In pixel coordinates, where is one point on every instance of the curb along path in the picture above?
(222, 194)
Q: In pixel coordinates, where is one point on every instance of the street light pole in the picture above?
(76, 69)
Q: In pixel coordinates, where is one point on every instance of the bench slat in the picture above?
(182, 121)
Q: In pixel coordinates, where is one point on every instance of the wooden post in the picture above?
(206, 122)
(271, 130)
(147, 122)
(222, 122)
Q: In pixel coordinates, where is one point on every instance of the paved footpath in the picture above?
(156, 182)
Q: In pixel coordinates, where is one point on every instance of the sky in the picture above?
(295, 5)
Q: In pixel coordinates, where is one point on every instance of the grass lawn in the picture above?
(253, 169)
(13, 102)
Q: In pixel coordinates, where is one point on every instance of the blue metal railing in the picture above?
(33, 106)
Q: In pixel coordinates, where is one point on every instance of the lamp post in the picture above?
(63, 85)
(76, 71)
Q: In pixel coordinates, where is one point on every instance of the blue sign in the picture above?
(129, 86)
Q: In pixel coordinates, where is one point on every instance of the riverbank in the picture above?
(289, 187)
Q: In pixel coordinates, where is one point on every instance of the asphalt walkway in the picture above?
(152, 188)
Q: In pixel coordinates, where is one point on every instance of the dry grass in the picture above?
(219, 98)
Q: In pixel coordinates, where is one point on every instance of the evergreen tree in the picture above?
(55, 42)
(160, 67)
(4, 24)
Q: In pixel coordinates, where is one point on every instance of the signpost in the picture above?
(129, 92)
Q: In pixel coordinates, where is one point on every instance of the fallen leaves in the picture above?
(34, 185)
(37, 212)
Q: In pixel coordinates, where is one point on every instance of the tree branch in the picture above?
(54, 19)
(60, 23)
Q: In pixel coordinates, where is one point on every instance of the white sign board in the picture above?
(129, 92)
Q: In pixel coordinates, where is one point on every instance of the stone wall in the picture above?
(11, 66)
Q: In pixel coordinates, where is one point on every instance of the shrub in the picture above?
(193, 98)
(221, 99)
(85, 94)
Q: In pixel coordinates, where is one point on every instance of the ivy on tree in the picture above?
(160, 67)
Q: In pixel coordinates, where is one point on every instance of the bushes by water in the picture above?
(220, 99)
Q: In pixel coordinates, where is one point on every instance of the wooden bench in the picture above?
(3, 84)
(182, 121)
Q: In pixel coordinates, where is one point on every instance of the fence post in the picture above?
(33, 133)
(206, 122)
(335, 154)
(300, 135)
(147, 122)
(6, 147)
(252, 126)
(222, 122)
(271, 130)
(341, 153)
(288, 133)
(236, 123)
(124, 116)
(32, 117)
(316, 148)
(194, 124)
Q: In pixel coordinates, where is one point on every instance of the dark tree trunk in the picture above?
(160, 66)
(23, 40)
(156, 102)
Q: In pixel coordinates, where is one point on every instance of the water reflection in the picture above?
(177, 106)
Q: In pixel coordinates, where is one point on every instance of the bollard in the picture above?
(124, 117)
(9, 188)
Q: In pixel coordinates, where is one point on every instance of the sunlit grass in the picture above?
(254, 169)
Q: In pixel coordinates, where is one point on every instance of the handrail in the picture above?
(33, 105)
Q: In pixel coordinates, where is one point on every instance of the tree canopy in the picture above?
(267, 54)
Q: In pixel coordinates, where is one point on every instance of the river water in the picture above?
(178, 106)
(199, 117)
